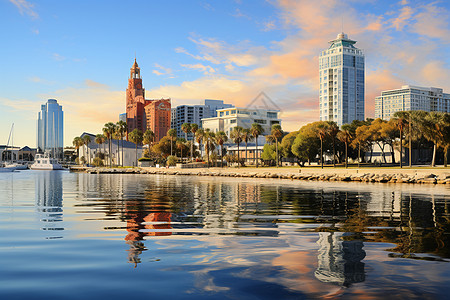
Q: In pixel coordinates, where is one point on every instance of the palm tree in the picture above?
(345, 136)
(199, 138)
(180, 144)
(86, 141)
(221, 138)
(172, 133)
(77, 143)
(108, 131)
(99, 139)
(149, 137)
(332, 131)
(437, 131)
(208, 140)
(194, 128)
(236, 136)
(277, 133)
(246, 136)
(186, 128)
(136, 137)
(121, 129)
(256, 130)
(401, 119)
(321, 133)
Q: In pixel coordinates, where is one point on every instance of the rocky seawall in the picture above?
(422, 177)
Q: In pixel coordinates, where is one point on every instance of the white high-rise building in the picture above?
(411, 98)
(341, 71)
(50, 128)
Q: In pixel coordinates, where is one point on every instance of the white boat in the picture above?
(45, 162)
(17, 166)
(7, 169)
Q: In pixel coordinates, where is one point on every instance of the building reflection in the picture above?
(48, 201)
(339, 261)
(142, 223)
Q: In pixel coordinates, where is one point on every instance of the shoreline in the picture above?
(405, 175)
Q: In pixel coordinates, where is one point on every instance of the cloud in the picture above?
(162, 70)
(433, 21)
(58, 57)
(25, 7)
(269, 25)
(205, 69)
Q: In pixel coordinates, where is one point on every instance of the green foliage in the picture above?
(269, 152)
(286, 144)
(306, 145)
(98, 162)
(171, 160)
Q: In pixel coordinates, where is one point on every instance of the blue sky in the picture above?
(80, 52)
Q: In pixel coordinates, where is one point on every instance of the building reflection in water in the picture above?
(339, 261)
(142, 223)
(49, 197)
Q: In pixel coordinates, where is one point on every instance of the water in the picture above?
(85, 236)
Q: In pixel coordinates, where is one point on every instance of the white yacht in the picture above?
(7, 169)
(16, 165)
(45, 162)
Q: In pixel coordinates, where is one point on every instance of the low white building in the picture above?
(129, 151)
(229, 118)
(411, 98)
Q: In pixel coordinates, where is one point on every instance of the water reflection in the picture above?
(339, 261)
(312, 237)
(48, 201)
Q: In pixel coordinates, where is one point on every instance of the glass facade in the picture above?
(50, 129)
(341, 92)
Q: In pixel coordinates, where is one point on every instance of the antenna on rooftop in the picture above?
(342, 24)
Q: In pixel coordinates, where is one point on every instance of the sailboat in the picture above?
(11, 164)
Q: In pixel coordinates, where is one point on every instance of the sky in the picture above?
(80, 53)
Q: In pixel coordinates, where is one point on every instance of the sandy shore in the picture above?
(391, 175)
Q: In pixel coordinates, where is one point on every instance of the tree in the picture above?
(437, 131)
(108, 131)
(77, 143)
(286, 144)
(236, 136)
(221, 138)
(121, 129)
(172, 133)
(389, 134)
(208, 140)
(401, 120)
(148, 139)
(199, 133)
(306, 143)
(321, 134)
(180, 145)
(345, 135)
(136, 137)
(277, 133)
(332, 131)
(246, 136)
(86, 141)
(186, 127)
(256, 130)
(194, 128)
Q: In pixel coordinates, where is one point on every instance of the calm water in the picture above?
(84, 236)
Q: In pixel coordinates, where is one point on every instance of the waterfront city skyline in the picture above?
(79, 53)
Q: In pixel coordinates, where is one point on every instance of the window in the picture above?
(233, 121)
(227, 112)
(272, 115)
(221, 113)
(233, 112)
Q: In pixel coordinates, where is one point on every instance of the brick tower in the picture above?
(145, 114)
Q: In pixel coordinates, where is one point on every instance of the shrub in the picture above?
(98, 162)
(171, 160)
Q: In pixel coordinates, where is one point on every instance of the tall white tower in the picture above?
(50, 128)
(341, 71)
